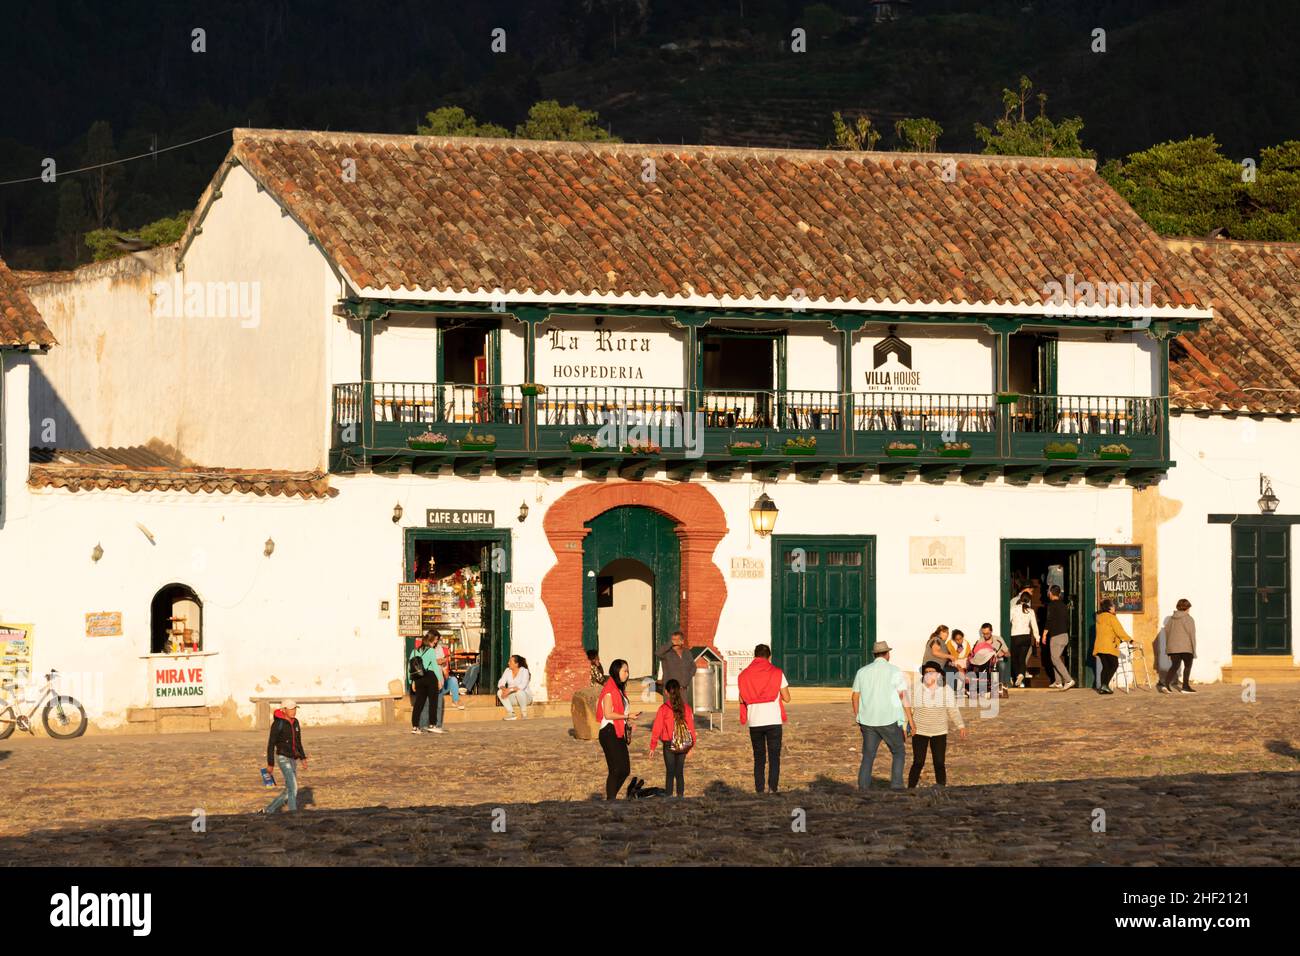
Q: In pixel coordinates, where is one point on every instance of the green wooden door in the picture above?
(1261, 594)
(646, 536)
(821, 622)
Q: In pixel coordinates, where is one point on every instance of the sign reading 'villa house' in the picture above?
(937, 555)
(1118, 568)
(891, 367)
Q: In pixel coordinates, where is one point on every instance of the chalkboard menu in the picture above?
(1119, 576)
(409, 623)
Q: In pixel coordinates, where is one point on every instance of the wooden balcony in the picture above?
(635, 430)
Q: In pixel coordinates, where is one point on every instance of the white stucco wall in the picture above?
(1219, 463)
(15, 375)
(1126, 365)
(812, 360)
(242, 388)
(406, 350)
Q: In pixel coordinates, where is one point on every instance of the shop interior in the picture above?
(455, 598)
(1038, 570)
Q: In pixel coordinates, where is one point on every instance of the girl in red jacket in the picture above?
(675, 729)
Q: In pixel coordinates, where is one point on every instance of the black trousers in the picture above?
(937, 746)
(1109, 665)
(426, 689)
(1020, 645)
(617, 760)
(1171, 675)
(674, 771)
(766, 742)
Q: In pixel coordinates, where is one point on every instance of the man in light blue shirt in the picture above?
(883, 712)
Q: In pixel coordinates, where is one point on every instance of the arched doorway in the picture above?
(699, 590)
(625, 604)
(631, 599)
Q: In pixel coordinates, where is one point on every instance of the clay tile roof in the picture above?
(1247, 357)
(21, 326)
(143, 469)
(467, 219)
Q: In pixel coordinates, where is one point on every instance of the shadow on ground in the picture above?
(1194, 819)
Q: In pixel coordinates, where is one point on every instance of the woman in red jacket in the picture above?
(675, 729)
(615, 728)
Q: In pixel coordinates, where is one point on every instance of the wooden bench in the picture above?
(387, 705)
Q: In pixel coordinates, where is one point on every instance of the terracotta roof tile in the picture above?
(456, 216)
(1247, 358)
(20, 324)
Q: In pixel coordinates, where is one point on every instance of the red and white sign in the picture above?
(177, 682)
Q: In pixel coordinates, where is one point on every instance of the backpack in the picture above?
(417, 667)
(681, 741)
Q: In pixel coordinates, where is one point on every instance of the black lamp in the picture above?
(763, 515)
(1268, 501)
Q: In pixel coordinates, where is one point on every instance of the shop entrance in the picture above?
(462, 577)
(1261, 587)
(1038, 564)
(631, 585)
(823, 607)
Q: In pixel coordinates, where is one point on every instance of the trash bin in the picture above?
(708, 685)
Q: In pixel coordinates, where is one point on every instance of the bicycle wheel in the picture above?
(64, 718)
(8, 721)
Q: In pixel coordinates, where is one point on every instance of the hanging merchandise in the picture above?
(1056, 576)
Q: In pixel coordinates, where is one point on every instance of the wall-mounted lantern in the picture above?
(523, 511)
(1268, 501)
(269, 549)
(96, 553)
(397, 512)
(763, 515)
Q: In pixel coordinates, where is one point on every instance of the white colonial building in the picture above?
(550, 397)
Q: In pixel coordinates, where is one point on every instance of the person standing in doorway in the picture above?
(883, 712)
(615, 728)
(1024, 635)
(598, 675)
(1056, 637)
(284, 749)
(764, 692)
(935, 705)
(1110, 632)
(426, 681)
(675, 728)
(678, 664)
(1180, 645)
(513, 687)
(450, 686)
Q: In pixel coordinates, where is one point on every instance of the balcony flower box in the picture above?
(1061, 450)
(429, 441)
(800, 446)
(472, 442)
(743, 449)
(532, 389)
(584, 443)
(1114, 452)
(954, 449)
(900, 449)
(1008, 398)
(641, 448)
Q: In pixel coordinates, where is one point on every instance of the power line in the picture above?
(118, 162)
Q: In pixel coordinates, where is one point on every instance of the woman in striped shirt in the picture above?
(934, 706)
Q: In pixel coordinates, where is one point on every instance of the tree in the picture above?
(1016, 135)
(454, 121)
(860, 136)
(920, 135)
(1189, 188)
(99, 151)
(112, 243)
(549, 120)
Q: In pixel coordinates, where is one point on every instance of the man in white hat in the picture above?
(284, 749)
(883, 712)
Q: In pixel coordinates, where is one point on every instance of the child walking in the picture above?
(674, 727)
(931, 710)
(284, 748)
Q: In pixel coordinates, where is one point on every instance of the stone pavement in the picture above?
(1203, 779)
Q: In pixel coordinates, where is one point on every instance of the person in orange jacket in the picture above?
(674, 727)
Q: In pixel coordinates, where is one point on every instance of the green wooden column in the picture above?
(367, 383)
(1003, 329)
(846, 325)
(692, 322)
(1163, 334)
(531, 318)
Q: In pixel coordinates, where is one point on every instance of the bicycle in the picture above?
(64, 718)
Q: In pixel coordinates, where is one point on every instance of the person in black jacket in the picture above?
(284, 747)
(1056, 636)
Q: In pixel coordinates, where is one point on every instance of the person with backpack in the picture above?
(674, 727)
(284, 748)
(615, 729)
(426, 680)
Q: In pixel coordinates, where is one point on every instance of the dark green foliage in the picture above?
(1015, 134)
(111, 243)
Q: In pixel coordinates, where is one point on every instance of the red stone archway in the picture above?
(700, 526)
